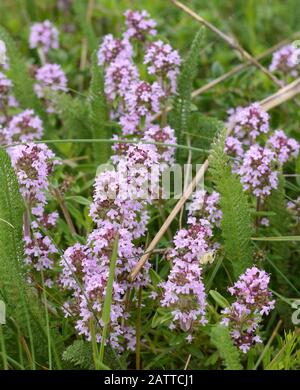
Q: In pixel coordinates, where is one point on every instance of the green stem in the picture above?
(101, 140)
(108, 298)
(3, 349)
(138, 330)
(47, 322)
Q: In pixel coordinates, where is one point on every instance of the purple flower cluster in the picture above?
(284, 147)
(43, 35)
(49, 77)
(144, 99)
(163, 62)
(137, 99)
(113, 48)
(165, 135)
(119, 77)
(33, 163)
(139, 25)
(122, 194)
(90, 264)
(286, 60)
(256, 171)
(256, 158)
(24, 127)
(234, 147)
(253, 300)
(184, 292)
(206, 205)
(249, 122)
(39, 251)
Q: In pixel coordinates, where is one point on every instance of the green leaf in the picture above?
(161, 317)
(236, 222)
(79, 199)
(182, 104)
(155, 278)
(79, 354)
(74, 112)
(220, 337)
(219, 299)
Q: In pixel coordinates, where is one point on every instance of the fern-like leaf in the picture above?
(182, 104)
(229, 353)
(79, 354)
(236, 222)
(73, 112)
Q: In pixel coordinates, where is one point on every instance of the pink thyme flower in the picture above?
(284, 147)
(143, 98)
(130, 124)
(256, 171)
(249, 122)
(119, 76)
(112, 48)
(163, 62)
(206, 205)
(286, 60)
(111, 202)
(50, 76)
(233, 147)
(24, 127)
(33, 163)
(253, 300)
(183, 292)
(140, 165)
(139, 25)
(48, 221)
(265, 222)
(89, 264)
(39, 251)
(163, 135)
(43, 35)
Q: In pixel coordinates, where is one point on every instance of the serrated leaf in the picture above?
(182, 104)
(229, 353)
(236, 221)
